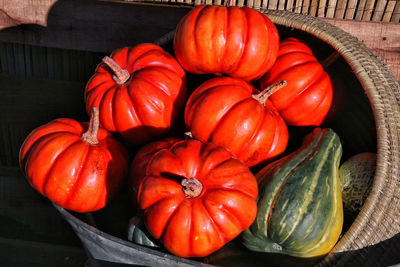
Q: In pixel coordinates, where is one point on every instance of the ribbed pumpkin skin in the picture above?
(141, 159)
(300, 206)
(223, 111)
(147, 105)
(307, 98)
(238, 42)
(70, 172)
(197, 225)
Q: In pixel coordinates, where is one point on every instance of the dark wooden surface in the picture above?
(44, 66)
(29, 102)
(32, 232)
(96, 26)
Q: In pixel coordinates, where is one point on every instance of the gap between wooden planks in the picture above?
(102, 26)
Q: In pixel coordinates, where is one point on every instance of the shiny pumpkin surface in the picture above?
(70, 172)
(195, 225)
(141, 159)
(147, 105)
(224, 111)
(307, 98)
(238, 42)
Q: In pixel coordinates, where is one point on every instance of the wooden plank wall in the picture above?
(365, 10)
(36, 11)
(101, 26)
(382, 38)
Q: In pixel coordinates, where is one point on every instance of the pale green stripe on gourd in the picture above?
(299, 202)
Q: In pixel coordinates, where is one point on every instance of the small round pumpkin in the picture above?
(236, 41)
(232, 113)
(307, 98)
(78, 166)
(196, 197)
(140, 92)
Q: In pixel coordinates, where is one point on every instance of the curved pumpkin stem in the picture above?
(270, 90)
(329, 60)
(120, 75)
(191, 187)
(90, 136)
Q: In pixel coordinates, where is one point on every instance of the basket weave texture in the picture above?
(374, 235)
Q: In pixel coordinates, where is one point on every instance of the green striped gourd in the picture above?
(300, 206)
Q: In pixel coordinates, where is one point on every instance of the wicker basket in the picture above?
(374, 235)
(373, 239)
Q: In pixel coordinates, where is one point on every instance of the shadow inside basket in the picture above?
(350, 116)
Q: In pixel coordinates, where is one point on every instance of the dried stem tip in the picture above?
(191, 187)
(120, 75)
(328, 61)
(90, 136)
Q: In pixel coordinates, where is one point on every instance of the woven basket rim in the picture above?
(377, 220)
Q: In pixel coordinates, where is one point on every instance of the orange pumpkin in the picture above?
(140, 92)
(196, 197)
(232, 113)
(77, 166)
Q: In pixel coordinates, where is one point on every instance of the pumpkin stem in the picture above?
(120, 75)
(270, 90)
(90, 136)
(329, 60)
(191, 187)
